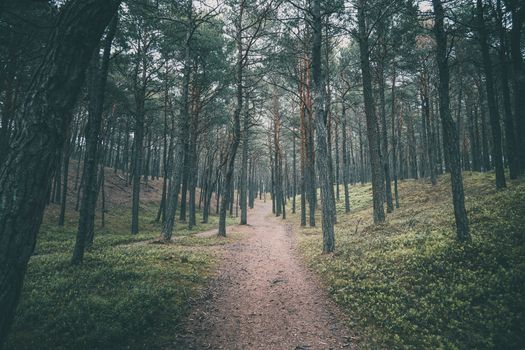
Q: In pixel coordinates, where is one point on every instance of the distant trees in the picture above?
(249, 24)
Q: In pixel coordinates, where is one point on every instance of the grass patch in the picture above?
(407, 284)
(124, 295)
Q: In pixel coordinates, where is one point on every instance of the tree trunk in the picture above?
(303, 157)
(450, 135)
(294, 173)
(244, 165)
(173, 200)
(518, 19)
(491, 99)
(384, 136)
(371, 118)
(394, 140)
(97, 86)
(346, 166)
(26, 174)
(510, 136)
(323, 166)
(140, 96)
(65, 172)
(232, 150)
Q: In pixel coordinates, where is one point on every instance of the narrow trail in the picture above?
(262, 297)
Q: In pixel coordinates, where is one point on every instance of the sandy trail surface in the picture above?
(262, 296)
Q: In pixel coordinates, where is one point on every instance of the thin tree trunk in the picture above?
(346, 166)
(510, 136)
(518, 20)
(65, 172)
(244, 165)
(394, 140)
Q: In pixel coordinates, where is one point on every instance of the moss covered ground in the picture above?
(407, 284)
(128, 294)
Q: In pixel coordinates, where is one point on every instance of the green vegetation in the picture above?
(407, 284)
(129, 291)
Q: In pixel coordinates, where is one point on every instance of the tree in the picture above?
(371, 117)
(248, 29)
(35, 150)
(450, 134)
(97, 87)
(323, 166)
(491, 98)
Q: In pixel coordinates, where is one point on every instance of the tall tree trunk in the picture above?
(510, 136)
(138, 151)
(491, 99)
(394, 140)
(167, 148)
(173, 200)
(518, 20)
(232, 149)
(294, 173)
(244, 165)
(384, 136)
(323, 166)
(303, 157)
(97, 87)
(450, 134)
(371, 117)
(65, 173)
(26, 174)
(346, 166)
(427, 129)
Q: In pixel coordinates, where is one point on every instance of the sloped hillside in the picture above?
(408, 284)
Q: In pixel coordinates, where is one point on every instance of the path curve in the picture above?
(262, 297)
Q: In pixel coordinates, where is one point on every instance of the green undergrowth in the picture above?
(407, 284)
(130, 293)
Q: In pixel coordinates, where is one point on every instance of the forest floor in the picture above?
(405, 284)
(128, 293)
(262, 297)
(408, 283)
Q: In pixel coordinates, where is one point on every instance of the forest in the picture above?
(262, 174)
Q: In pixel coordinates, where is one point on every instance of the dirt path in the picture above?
(263, 298)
